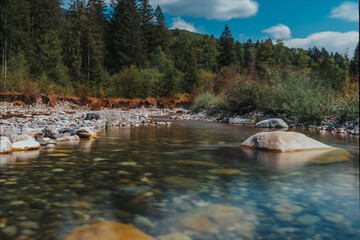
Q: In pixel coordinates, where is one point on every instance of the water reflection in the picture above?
(295, 159)
(160, 179)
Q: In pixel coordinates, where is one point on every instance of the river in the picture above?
(168, 179)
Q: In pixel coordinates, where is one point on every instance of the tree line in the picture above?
(127, 50)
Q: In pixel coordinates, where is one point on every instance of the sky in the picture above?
(333, 24)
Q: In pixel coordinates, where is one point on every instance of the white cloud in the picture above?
(347, 10)
(332, 41)
(209, 9)
(279, 31)
(179, 23)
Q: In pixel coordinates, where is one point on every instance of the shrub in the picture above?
(130, 83)
(247, 95)
(206, 100)
(301, 98)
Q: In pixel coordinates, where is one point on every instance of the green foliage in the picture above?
(130, 83)
(132, 53)
(300, 98)
(226, 51)
(246, 95)
(206, 100)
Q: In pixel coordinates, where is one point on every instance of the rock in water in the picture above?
(30, 144)
(109, 231)
(280, 141)
(212, 218)
(5, 145)
(272, 123)
(85, 133)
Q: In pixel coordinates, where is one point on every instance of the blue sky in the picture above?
(333, 24)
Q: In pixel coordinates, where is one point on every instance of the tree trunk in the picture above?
(88, 62)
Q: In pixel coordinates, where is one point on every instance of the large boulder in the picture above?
(85, 133)
(280, 141)
(272, 123)
(109, 231)
(25, 145)
(5, 145)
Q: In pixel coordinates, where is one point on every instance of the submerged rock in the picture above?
(196, 163)
(227, 172)
(180, 181)
(213, 218)
(109, 231)
(283, 142)
(174, 236)
(272, 123)
(288, 208)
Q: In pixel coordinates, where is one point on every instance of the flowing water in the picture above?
(172, 179)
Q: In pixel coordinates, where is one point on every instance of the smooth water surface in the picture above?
(150, 176)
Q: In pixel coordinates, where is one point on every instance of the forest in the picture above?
(127, 50)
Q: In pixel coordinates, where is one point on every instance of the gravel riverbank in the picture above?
(26, 128)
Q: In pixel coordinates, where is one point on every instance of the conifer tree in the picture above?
(354, 64)
(161, 36)
(96, 47)
(226, 48)
(125, 47)
(76, 40)
(147, 26)
(191, 78)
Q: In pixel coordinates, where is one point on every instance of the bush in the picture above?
(206, 100)
(130, 83)
(301, 98)
(247, 95)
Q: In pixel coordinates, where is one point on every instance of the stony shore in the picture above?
(25, 128)
(35, 126)
(329, 125)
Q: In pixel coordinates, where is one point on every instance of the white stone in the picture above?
(272, 123)
(25, 145)
(282, 141)
(5, 145)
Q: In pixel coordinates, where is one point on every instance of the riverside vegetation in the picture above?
(127, 50)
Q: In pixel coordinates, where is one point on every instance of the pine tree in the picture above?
(147, 27)
(227, 53)
(96, 22)
(125, 47)
(162, 35)
(239, 51)
(354, 64)
(76, 40)
(46, 27)
(15, 31)
(191, 78)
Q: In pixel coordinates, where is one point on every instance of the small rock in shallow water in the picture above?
(228, 172)
(288, 208)
(197, 163)
(308, 219)
(332, 217)
(174, 236)
(143, 221)
(10, 231)
(284, 217)
(109, 231)
(29, 224)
